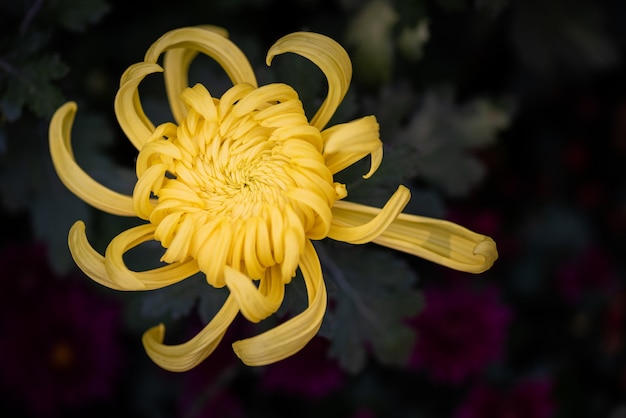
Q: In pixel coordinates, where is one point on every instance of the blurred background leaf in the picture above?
(372, 293)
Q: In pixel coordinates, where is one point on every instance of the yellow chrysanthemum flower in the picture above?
(238, 187)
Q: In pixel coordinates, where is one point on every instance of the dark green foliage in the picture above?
(373, 292)
(29, 66)
(75, 15)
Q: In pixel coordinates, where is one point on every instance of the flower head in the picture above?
(459, 332)
(238, 186)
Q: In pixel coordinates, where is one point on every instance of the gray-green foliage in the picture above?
(562, 35)
(442, 135)
(28, 180)
(373, 293)
(29, 71)
(29, 67)
(29, 82)
(75, 15)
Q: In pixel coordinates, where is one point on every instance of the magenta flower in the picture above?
(60, 349)
(527, 399)
(309, 374)
(591, 270)
(459, 332)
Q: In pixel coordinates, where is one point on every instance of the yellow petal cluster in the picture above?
(236, 187)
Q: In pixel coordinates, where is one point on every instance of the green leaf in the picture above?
(296, 299)
(179, 300)
(442, 134)
(210, 300)
(30, 85)
(442, 123)
(372, 293)
(413, 39)
(75, 15)
(28, 181)
(175, 301)
(370, 35)
(563, 36)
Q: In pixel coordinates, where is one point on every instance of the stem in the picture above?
(30, 15)
(211, 391)
(7, 67)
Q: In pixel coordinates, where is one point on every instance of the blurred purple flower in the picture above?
(459, 332)
(364, 413)
(527, 399)
(309, 373)
(59, 342)
(592, 270)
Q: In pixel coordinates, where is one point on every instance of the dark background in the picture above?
(526, 105)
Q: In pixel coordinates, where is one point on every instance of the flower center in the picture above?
(241, 182)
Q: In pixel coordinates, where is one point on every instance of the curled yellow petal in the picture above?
(253, 304)
(93, 265)
(176, 64)
(208, 42)
(156, 278)
(439, 241)
(313, 201)
(259, 98)
(330, 57)
(70, 173)
(146, 184)
(291, 336)
(128, 109)
(367, 232)
(347, 143)
(196, 97)
(183, 357)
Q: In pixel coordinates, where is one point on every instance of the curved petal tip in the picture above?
(488, 250)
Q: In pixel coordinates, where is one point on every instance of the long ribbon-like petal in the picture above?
(330, 57)
(114, 254)
(288, 338)
(210, 43)
(128, 110)
(183, 357)
(254, 305)
(377, 225)
(70, 173)
(176, 64)
(93, 265)
(440, 241)
(347, 143)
